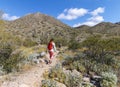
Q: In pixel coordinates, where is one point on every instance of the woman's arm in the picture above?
(54, 47)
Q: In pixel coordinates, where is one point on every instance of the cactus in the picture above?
(109, 79)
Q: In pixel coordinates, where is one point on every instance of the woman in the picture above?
(51, 49)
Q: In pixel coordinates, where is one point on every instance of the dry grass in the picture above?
(26, 67)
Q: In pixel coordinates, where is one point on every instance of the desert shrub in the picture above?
(5, 51)
(8, 61)
(56, 71)
(98, 68)
(49, 83)
(61, 41)
(74, 45)
(70, 79)
(29, 43)
(99, 47)
(2, 24)
(109, 79)
(12, 63)
(83, 64)
(17, 41)
(110, 60)
(88, 85)
(78, 66)
(73, 79)
(69, 59)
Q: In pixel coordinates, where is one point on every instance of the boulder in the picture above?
(42, 54)
(33, 56)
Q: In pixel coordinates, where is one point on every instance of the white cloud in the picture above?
(97, 11)
(72, 13)
(95, 19)
(6, 16)
(91, 21)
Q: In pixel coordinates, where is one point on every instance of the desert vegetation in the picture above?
(99, 58)
(89, 54)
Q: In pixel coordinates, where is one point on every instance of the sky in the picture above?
(71, 12)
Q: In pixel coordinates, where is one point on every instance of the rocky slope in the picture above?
(102, 28)
(39, 27)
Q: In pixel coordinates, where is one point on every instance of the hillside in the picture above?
(107, 28)
(102, 28)
(39, 27)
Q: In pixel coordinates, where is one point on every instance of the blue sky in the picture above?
(71, 12)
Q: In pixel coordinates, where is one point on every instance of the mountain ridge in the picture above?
(41, 27)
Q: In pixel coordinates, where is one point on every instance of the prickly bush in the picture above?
(73, 80)
(49, 83)
(109, 79)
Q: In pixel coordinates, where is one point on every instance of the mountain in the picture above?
(39, 27)
(102, 28)
(106, 28)
(83, 27)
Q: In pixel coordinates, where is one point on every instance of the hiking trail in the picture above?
(30, 78)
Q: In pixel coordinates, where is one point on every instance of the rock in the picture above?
(36, 61)
(33, 56)
(97, 77)
(60, 84)
(42, 54)
(75, 72)
(86, 79)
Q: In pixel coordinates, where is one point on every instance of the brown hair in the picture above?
(51, 40)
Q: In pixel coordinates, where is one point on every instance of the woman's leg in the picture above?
(51, 56)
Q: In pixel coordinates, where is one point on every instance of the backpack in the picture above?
(50, 46)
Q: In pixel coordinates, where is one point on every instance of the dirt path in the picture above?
(31, 78)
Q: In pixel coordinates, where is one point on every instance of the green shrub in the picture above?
(49, 83)
(109, 79)
(78, 66)
(88, 85)
(12, 63)
(29, 43)
(74, 45)
(7, 60)
(70, 79)
(56, 71)
(5, 51)
(73, 79)
(61, 41)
